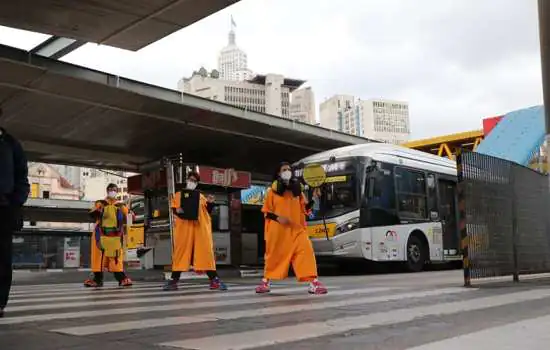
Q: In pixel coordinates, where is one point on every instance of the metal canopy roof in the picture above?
(126, 24)
(67, 114)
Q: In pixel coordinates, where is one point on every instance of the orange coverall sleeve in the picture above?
(176, 200)
(268, 206)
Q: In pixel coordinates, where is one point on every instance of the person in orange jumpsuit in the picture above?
(192, 242)
(107, 251)
(287, 242)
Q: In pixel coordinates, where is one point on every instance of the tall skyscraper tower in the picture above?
(232, 61)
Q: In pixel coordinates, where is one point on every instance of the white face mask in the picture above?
(191, 185)
(286, 175)
(111, 194)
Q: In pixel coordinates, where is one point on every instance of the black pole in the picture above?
(544, 34)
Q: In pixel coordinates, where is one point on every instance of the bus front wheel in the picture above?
(416, 254)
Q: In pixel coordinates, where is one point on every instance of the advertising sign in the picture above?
(71, 253)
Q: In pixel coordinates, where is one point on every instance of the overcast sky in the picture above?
(454, 61)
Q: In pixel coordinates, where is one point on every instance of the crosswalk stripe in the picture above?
(86, 291)
(167, 297)
(528, 334)
(183, 306)
(120, 293)
(269, 311)
(304, 331)
(77, 288)
(83, 291)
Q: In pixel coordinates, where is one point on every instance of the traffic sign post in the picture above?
(315, 177)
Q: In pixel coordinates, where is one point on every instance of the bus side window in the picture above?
(380, 199)
(380, 190)
(411, 194)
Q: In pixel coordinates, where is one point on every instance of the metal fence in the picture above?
(42, 251)
(504, 218)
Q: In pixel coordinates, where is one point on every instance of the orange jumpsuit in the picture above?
(287, 244)
(192, 240)
(98, 262)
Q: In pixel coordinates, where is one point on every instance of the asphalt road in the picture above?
(425, 311)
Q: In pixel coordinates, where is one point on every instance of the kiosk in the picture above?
(157, 187)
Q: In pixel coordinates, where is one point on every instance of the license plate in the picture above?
(319, 231)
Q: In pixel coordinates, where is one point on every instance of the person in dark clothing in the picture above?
(14, 191)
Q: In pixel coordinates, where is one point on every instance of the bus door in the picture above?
(448, 214)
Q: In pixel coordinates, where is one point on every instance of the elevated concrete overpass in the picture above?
(68, 114)
(37, 209)
(125, 24)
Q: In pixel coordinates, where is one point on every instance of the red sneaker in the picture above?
(317, 287)
(89, 283)
(126, 282)
(263, 287)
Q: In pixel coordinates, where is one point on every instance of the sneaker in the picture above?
(170, 285)
(217, 284)
(317, 287)
(126, 282)
(92, 284)
(263, 287)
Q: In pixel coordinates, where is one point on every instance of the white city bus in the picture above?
(384, 202)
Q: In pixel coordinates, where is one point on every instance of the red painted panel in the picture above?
(490, 123)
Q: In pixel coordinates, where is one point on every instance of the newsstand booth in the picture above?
(158, 185)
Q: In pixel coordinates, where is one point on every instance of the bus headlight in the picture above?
(347, 226)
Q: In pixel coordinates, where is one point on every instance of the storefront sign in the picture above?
(156, 180)
(225, 177)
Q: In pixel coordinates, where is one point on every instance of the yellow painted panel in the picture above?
(452, 138)
(35, 190)
(135, 236)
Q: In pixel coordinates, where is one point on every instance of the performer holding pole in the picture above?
(287, 242)
(192, 241)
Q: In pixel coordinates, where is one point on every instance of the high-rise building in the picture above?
(340, 113)
(232, 61)
(263, 93)
(302, 105)
(386, 120)
(377, 119)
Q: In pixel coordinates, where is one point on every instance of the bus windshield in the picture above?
(339, 196)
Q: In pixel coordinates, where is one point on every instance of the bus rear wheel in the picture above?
(416, 254)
